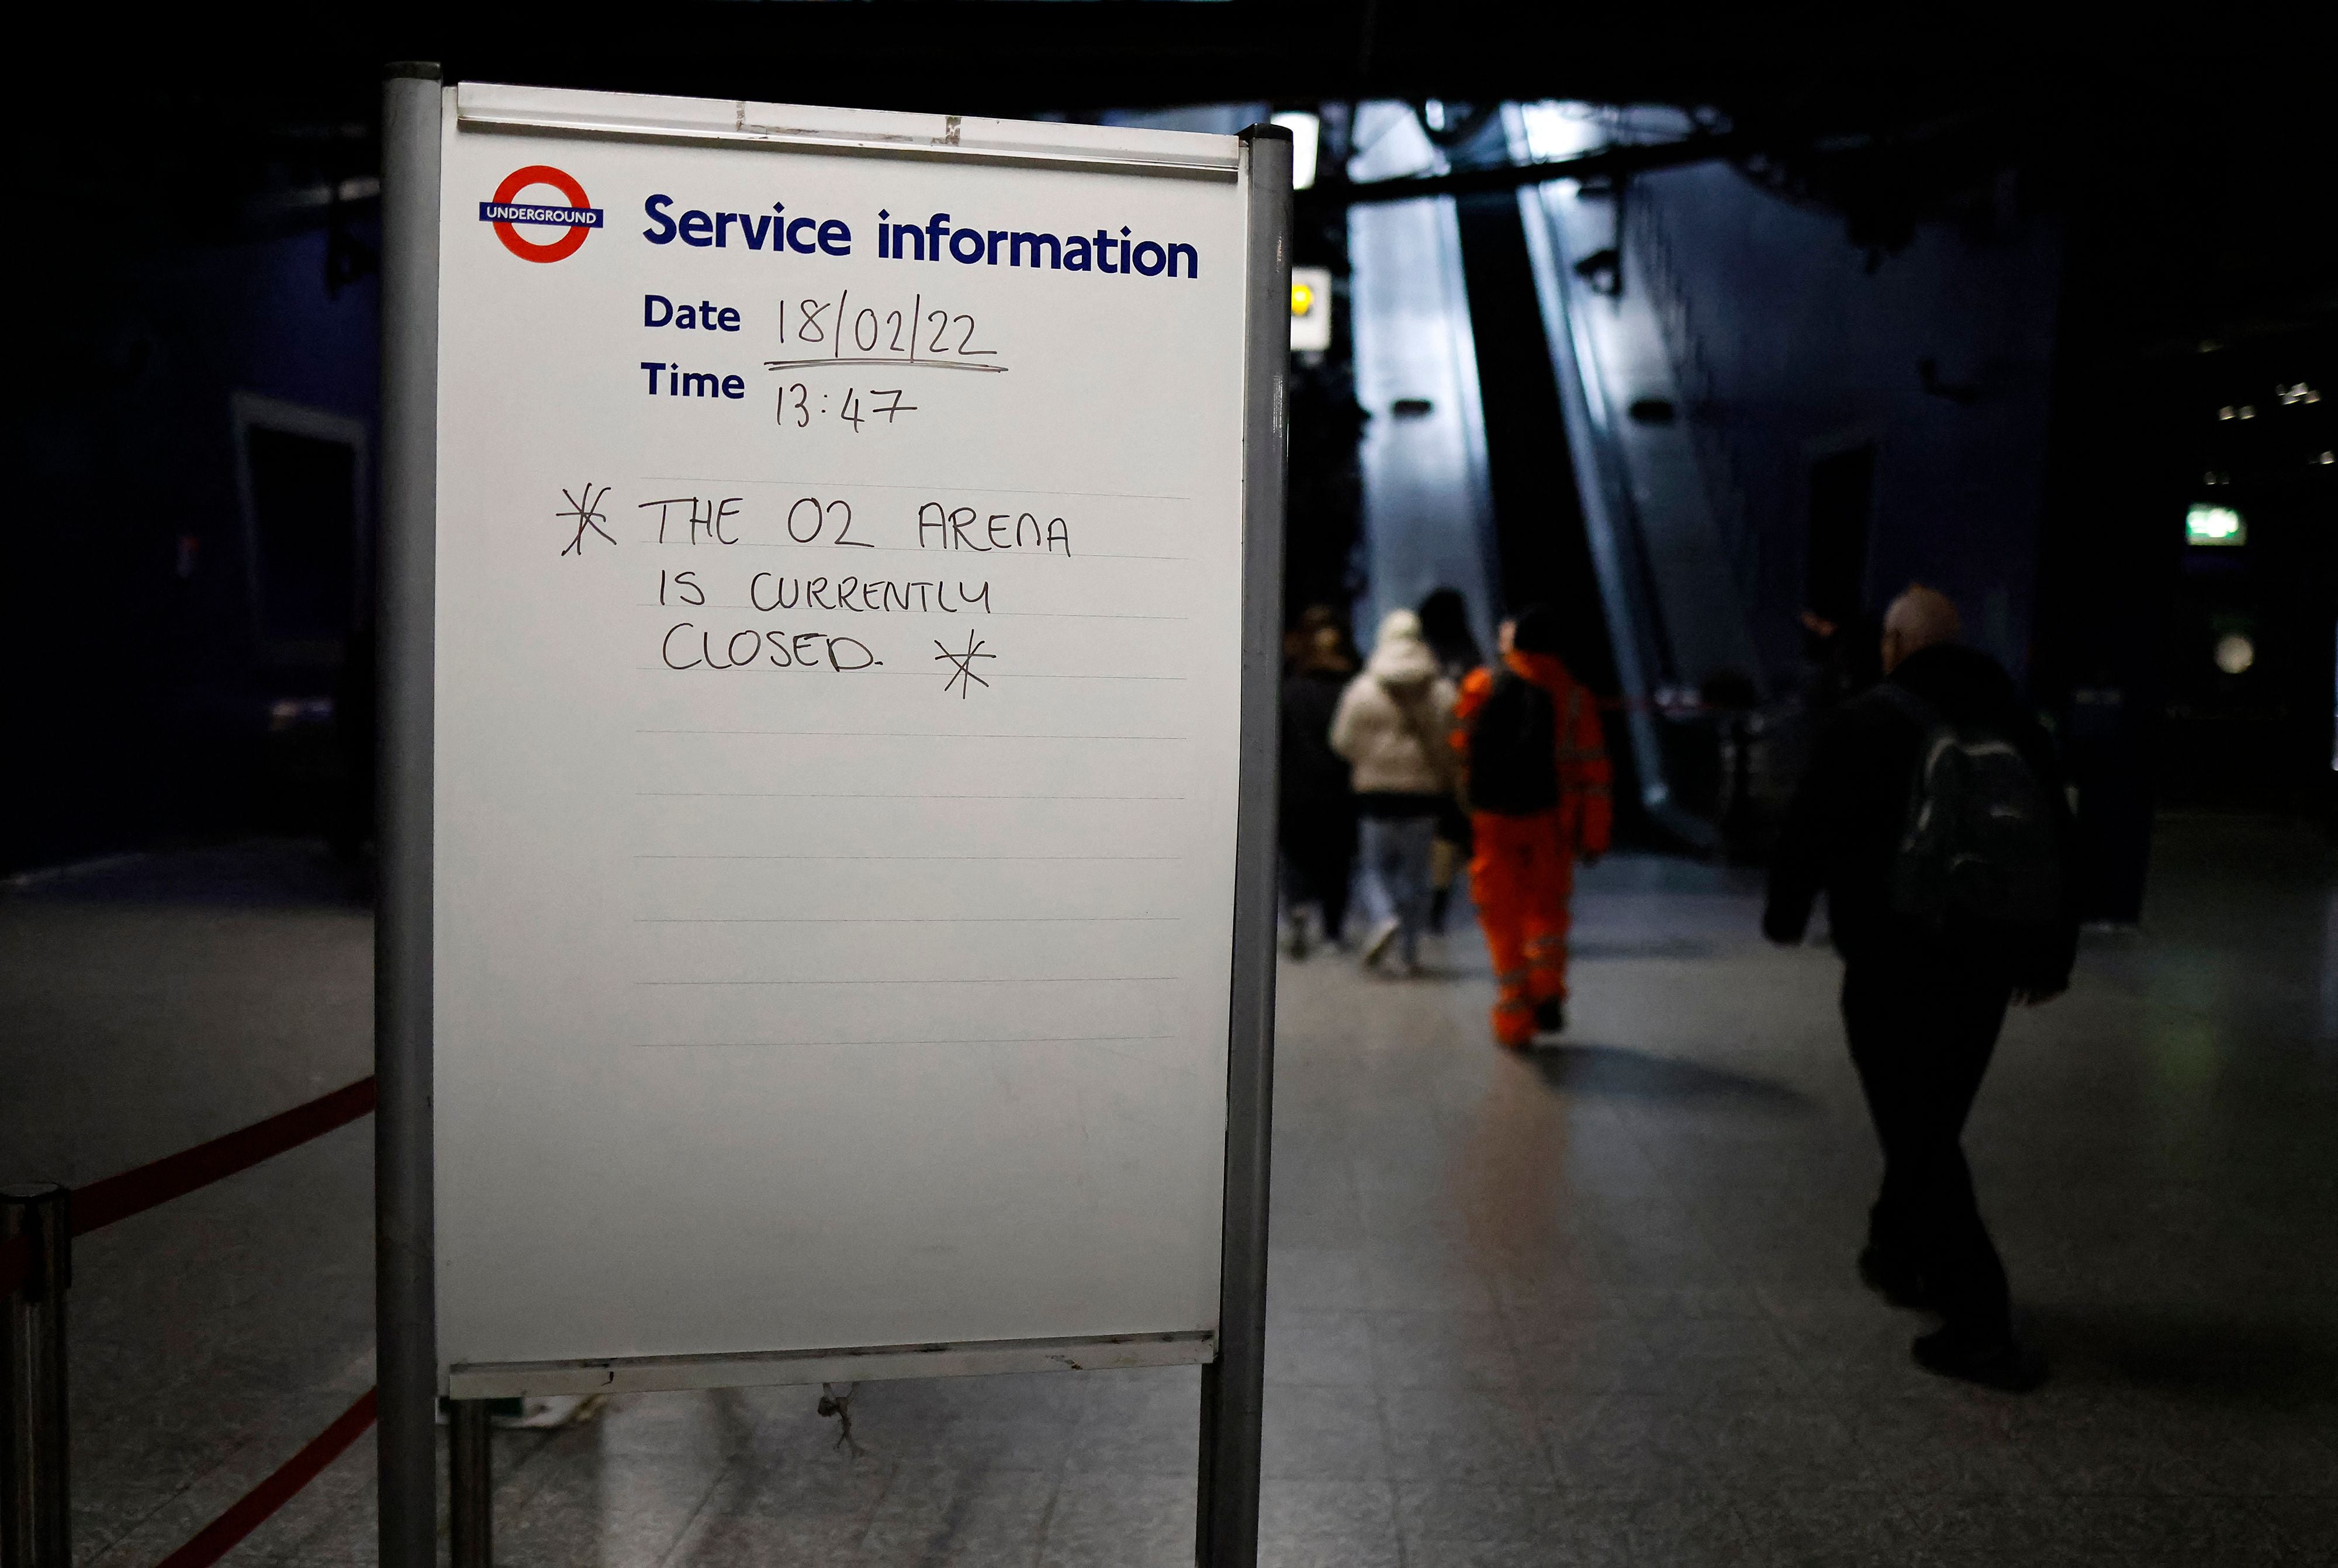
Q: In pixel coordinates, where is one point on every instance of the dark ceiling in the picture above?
(2206, 151)
(1010, 56)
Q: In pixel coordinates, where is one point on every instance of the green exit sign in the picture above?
(2207, 524)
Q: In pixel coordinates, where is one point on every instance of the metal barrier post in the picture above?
(35, 1499)
(470, 1486)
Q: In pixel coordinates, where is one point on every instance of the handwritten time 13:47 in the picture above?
(816, 334)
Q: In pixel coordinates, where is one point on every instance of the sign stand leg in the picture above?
(405, 1312)
(1233, 1385)
(470, 1485)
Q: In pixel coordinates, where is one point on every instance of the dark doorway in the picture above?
(304, 529)
(1843, 505)
(308, 769)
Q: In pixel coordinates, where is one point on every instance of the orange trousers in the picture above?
(1522, 876)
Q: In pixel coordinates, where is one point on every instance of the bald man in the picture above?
(1919, 619)
(1925, 988)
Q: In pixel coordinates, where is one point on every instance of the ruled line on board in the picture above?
(1040, 614)
(765, 667)
(929, 552)
(1006, 675)
(892, 359)
(1081, 615)
(977, 1040)
(872, 485)
(647, 856)
(890, 980)
(903, 919)
(865, 794)
(918, 734)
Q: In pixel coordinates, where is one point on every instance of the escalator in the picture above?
(1677, 614)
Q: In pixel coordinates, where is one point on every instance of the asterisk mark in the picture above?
(962, 665)
(588, 513)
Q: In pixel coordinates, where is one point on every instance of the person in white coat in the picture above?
(1390, 726)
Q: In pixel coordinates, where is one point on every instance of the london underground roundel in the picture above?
(580, 217)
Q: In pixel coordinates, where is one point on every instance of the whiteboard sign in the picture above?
(839, 640)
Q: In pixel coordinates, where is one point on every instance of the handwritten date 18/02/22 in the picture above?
(839, 330)
(799, 405)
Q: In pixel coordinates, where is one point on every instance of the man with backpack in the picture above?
(1933, 819)
(1537, 779)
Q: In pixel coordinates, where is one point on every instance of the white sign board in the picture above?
(838, 650)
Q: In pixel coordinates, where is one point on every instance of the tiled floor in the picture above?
(1595, 1307)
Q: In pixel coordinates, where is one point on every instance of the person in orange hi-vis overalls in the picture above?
(1537, 775)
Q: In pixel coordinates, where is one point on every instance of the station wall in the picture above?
(147, 699)
(1795, 349)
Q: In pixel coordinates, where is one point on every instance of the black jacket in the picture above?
(1314, 777)
(1844, 826)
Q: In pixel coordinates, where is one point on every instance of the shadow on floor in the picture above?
(1471, 964)
(1624, 1072)
(1640, 947)
(2240, 1359)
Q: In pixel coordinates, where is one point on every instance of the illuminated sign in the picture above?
(1306, 136)
(2210, 524)
(1311, 309)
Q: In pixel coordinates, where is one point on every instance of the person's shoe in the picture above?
(1893, 1280)
(1300, 942)
(1995, 1361)
(1550, 1017)
(1376, 945)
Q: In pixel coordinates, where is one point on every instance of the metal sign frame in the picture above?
(1233, 1379)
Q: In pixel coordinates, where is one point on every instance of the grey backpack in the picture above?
(1979, 850)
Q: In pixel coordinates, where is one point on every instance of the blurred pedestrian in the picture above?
(1445, 626)
(1933, 819)
(1317, 822)
(1842, 657)
(1536, 781)
(1390, 723)
(1731, 703)
(1305, 640)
